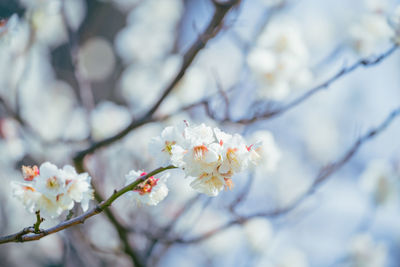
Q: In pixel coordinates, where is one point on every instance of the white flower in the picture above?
(50, 182)
(78, 186)
(161, 146)
(25, 193)
(292, 257)
(200, 158)
(284, 36)
(235, 154)
(51, 190)
(280, 60)
(146, 39)
(199, 135)
(264, 151)
(107, 119)
(369, 33)
(259, 234)
(211, 183)
(210, 157)
(151, 191)
(199, 152)
(381, 181)
(365, 252)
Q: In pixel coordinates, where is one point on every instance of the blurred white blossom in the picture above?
(365, 252)
(259, 234)
(371, 29)
(146, 39)
(96, 59)
(381, 181)
(292, 257)
(280, 60)
(108, 118)
(269, 153)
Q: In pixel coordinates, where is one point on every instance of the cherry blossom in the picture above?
(149, 192)
(51, 190)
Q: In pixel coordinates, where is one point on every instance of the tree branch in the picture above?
(39, 220)
(27, 234)
(322, 176)
(214, 26)
(366, 62)
(283, 109)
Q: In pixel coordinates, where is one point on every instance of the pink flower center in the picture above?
(168, 147)
(52, 183)
(199, 152)
(147, 185)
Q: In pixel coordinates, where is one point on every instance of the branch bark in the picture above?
(365, 62)
(27, 234)
(214, 26)
(321, 177)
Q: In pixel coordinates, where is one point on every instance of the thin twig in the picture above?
(221, 9)
(168, 228)
(25, 236)
(366, 62)
(39, 220)
(321, 177)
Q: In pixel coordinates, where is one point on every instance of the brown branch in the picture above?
(121, 231)
(168, 228)
(27, 234)
(321, 177)
(221, 9)
(366, 62)
(243, 194)
(281, 110)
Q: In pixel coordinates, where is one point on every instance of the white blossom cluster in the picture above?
(280, 60)
(51, 190)
(366, 252)
(209, 155)
(372, 28)
(145, 45)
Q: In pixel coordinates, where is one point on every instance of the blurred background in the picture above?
(75, 72)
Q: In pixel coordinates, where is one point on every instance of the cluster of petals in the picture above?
(372, 29)
(51, 190)
(280, 59)
(151, 191)
(209, 155)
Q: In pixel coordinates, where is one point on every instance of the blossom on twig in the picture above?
(51, 190)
